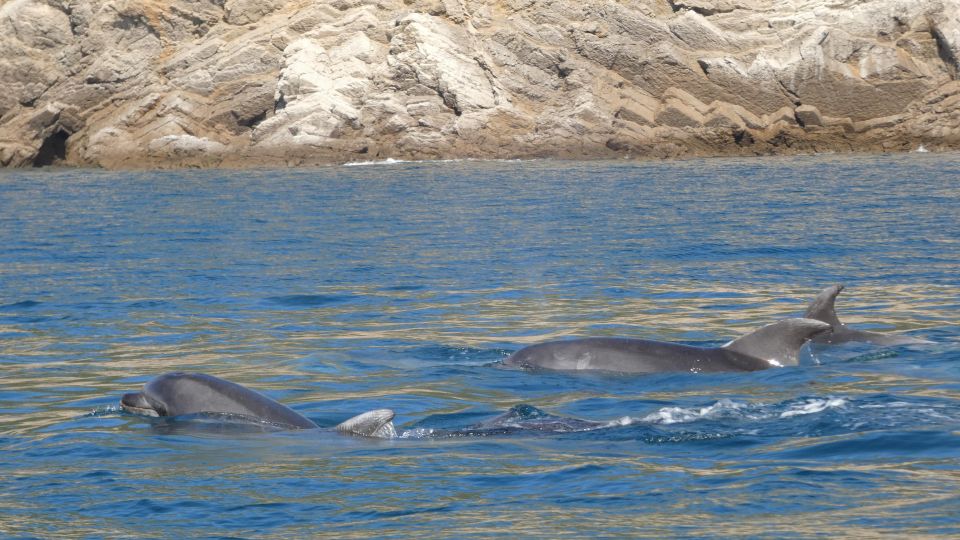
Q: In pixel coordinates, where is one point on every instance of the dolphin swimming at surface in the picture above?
(179, 394)
(774, 345)
(822, 309)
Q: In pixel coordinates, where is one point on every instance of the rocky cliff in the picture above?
(145, 83)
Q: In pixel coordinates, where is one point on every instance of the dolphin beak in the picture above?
(136, 403)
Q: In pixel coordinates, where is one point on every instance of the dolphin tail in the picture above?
(377, 423)
(822, 307)
(778, 343)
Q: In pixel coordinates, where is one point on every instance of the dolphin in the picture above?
(179, 394)
(822, 309)
(777, 344)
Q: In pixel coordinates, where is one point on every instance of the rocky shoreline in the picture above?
(238, 83)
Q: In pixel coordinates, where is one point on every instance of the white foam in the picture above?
(107, 410)
(679, 415)
(418, 433)
(388, 161)
(921, 149)
(892, 405)
(813, 406)
(619, 422)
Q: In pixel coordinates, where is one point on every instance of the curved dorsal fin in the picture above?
(822, 307)
(778, 343)
(377, 423)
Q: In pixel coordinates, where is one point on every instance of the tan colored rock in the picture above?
(428, 51)
(786, 115)
(244, 82)
(843, 123)
(723, 116)
(675, 113)
(249, 11)
(877, 123)
(809, 116)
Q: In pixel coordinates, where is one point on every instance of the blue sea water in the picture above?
(403, 285)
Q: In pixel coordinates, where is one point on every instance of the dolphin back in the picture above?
(177, 394)
(778, 343)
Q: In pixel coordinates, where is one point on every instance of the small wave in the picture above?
(443, 355)
(620, 422)
(26, 304)
(680, 415)
(306, 300)
(392, 161)
(812, 406)
(388, 161)
(107, 410)
(921, 149)
(417, 433)
(726, 409)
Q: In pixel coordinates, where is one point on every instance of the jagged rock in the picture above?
(249, 11)
(946, 30)
(845, 124)
(183, 145)
(808, 116)
(244, 82)
(440, 56)
(786, 115)
(698, 33)
(877, 123)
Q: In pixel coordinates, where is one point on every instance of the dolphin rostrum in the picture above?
(822, 309)
(179, 394)
(776, 344)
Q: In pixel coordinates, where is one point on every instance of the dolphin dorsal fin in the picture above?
(822, 307)
(377, 423)
(778, 343)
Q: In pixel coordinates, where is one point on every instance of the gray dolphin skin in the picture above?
(179, 394)
(822, 309)
(774, 345)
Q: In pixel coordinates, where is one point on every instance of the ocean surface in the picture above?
(404, 286)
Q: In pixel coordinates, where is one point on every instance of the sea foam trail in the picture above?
(728, 409)
(812, 406)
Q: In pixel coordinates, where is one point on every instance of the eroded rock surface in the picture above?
(124, 83)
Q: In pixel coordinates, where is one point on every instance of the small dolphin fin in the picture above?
(822, 307)
(377, 423)
(778, 343)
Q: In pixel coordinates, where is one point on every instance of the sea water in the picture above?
(404, 285)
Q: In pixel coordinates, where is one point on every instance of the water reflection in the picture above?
(342, 290)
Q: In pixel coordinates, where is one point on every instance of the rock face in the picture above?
(153, 83)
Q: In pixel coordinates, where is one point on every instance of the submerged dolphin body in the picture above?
(519, 420)
(776, 344)
(822, 309)
(179, 394)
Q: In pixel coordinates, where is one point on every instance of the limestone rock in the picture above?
(249, 11)
(809, 116)
(289, 82)
(440, 56)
